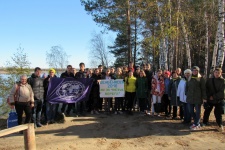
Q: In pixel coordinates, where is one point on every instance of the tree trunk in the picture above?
(170, 46)
(215, 49)
(129, 33)
(163, 52)
(135, 37)
(221, 48)
(186, 41)
(206, 44)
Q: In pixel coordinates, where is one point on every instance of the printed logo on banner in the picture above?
(71, 89)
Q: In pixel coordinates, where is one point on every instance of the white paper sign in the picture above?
(112, 88)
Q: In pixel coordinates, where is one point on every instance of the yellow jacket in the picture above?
(130, 84)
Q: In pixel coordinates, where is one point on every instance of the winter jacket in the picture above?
(81, 74)
(46, 83)
(66, 75)
(22, 92)
(195, 90)
(218, 93)
(130, 84)
(37, 84)
(141, 87)
(149, 78)
(158, 86)
(173, 86)
(181, 91)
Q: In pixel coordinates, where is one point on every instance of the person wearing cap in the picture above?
(215, 98)
(50, 108)
(37, 84)
(181, 95)
(165, 97)
(196, 93)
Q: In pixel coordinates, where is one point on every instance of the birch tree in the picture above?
(98, 51)
(221, 48)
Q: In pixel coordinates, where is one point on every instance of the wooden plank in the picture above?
(13, 130)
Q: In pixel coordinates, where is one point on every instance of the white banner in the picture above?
(112, 88)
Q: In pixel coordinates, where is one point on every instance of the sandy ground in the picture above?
(120, 132)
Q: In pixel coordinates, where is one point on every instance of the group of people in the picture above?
(180, 96)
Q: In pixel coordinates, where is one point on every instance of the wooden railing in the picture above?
(28, 132)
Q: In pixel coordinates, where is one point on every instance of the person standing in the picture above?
(141, 91)
(118, 100)
(37, 84)
(149, 75)
(50, 108)
(22, 98)
(182, 95)
(107, 101)
(174, 101)
(101, 73)
(130, 91)
(94, 95)
(81, 106)
(67, 74)
(215, 98)
(158, 88)
(165, 97)
(196, 93)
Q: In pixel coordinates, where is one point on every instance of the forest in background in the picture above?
(166, 33)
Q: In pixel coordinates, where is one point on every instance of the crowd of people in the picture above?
(180, 95)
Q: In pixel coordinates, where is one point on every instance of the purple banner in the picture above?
(68, 90)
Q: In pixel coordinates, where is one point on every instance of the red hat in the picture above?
(167, 72)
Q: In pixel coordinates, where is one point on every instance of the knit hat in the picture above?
(188, 71)
(167, 72)
(53, 70)
(196, 68)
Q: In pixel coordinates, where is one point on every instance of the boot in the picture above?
(39, 124)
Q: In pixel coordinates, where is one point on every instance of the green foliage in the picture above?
(112, 14)
(17, 66)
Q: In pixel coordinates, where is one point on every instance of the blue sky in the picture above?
(36, 26)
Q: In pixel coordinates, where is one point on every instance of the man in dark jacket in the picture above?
(215, 97)
(149, 75)
(81, 106)
(36, 83)
(67, 74)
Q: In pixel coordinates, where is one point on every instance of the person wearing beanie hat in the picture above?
(50, 109)
(188, 71)
(51, 70)
(196, 94)
(182, 95)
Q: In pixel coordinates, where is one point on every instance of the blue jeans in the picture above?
(50, 111)
(36, 111)
(195, 111)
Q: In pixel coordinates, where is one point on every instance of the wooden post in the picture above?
(29, 137)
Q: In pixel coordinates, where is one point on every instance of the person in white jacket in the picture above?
(182, 95)
(22, 98)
